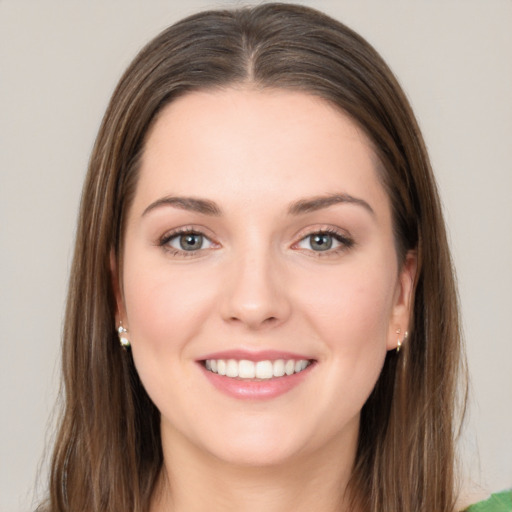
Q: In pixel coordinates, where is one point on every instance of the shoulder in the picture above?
(499, 502)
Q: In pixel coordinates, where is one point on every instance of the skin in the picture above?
(258, 283)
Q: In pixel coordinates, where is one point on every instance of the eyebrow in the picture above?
(203, 206)
(313, 204)
(307, 205)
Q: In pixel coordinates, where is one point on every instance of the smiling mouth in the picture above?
(261, 370)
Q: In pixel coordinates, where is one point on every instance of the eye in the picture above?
(186, 241)
(318, 241)
(323, 241)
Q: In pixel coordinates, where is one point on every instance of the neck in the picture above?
(192, 480)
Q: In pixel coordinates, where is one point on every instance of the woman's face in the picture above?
(259, 243)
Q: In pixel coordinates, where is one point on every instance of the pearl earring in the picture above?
(399, 343)
(123, 340)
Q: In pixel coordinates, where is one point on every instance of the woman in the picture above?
(261, 232)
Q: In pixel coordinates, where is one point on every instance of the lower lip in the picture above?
(256, 389)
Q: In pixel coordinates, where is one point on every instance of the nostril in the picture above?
(272, 320)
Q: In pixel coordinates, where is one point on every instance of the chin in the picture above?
(257, 454)
(253, 444)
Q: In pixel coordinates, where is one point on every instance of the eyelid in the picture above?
(182, 230)
(177, 237)
(342, 236)
(346, 241)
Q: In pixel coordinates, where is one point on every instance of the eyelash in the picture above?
(164, 241)
(345, 242)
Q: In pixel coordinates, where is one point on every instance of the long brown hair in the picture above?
(108, 455)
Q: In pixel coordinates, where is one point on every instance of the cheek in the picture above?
(351, 314)
(353, 321)
(165, 306)
(352, 310)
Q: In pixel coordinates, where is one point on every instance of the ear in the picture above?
(403, 300)
(116, 287)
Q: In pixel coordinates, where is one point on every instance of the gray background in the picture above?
(59, 62)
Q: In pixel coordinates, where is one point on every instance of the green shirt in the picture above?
(499, 502)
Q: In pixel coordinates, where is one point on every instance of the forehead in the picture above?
(247, 141)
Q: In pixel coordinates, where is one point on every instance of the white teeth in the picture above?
(232, 368)
(278, 368)
(221, 367)
(245, 369)
(264, 369)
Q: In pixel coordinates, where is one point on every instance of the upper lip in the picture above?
(255, 356)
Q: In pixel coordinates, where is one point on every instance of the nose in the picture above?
(255, 293)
